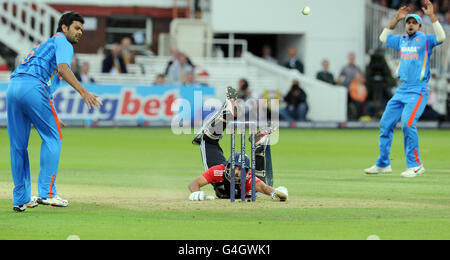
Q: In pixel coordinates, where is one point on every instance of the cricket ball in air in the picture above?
(306, 10)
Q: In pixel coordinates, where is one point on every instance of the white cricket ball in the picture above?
(306, 10)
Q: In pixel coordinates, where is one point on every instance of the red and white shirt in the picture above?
(215, 175)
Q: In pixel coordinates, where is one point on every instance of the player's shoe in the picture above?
(231, 105)
(228, 110)
(32, 204)
(378, 170)
(263, 136)
(56, 201)
(413, 172)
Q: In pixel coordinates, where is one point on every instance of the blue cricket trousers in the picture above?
(409, 107)
(28, 102)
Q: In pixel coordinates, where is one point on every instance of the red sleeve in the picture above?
(214, 174)
(248, 184)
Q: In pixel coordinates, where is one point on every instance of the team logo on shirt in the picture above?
(412, 49)
(410, 53)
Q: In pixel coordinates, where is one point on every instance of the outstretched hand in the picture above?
(428, 9)
(402, 13)
(61, 123)
(91, 100)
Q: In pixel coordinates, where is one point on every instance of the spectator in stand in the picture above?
(267, 54)
(127, 54)
(447, 22)
(245, 95)
(294, 62)
(3, 65)
(175, 54)
(397, 3)
(325, 75)
(75, 68)
(358, 96)
(379, 82)
(179, 70)
(84, 74)
(353, 79)
(270, 96)
(384, 3)
(160, 80)
(114, 62)
(437, 11)
(297, 107)
(445, 6)
(413, 6)
(348, 72)
(244, 92)
(191, 79)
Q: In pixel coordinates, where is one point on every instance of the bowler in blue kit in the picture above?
(29, 102)
(411, 97)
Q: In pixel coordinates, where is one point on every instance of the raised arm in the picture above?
(428, 9)
(438, 29)
(401, 14)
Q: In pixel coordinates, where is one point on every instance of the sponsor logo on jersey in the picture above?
(218, 173)
(413, 49)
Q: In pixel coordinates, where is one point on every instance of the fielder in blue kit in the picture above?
(29, 101)
(410, 99)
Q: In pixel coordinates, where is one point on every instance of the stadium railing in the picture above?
(21, 34)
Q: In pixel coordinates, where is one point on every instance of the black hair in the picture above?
(68, 18)
(245, 84)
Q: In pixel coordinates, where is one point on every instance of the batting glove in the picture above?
(280, 193)
(199, 196)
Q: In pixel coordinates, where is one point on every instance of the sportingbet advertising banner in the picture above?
(132, 103)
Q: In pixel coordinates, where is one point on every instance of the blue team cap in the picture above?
(415, 16)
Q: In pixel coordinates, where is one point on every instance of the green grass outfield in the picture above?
(132, 184)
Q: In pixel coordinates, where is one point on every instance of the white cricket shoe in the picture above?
(32, 204)
(263, 136)
(378, 170)
(229, 110)
(231, 105)
(413, 172)
(56, 201)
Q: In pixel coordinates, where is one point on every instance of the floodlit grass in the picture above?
(132, 184)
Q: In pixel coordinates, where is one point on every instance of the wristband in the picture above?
(273, 195)
(384, 35)
(83, 91)
(439, 30)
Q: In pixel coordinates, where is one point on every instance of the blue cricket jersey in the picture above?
(42, 61)
(414, 67)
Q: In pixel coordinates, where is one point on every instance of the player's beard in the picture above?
(411, 32)
(73, 39)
